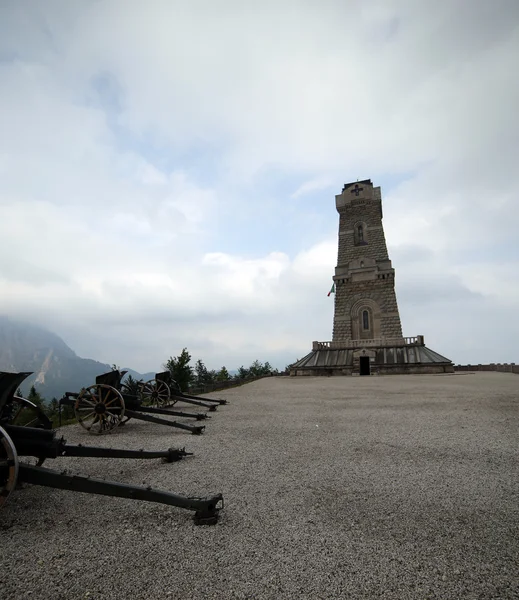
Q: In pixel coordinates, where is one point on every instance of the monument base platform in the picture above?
(405, 356)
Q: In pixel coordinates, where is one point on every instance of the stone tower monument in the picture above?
(367, 332)
(365, 299)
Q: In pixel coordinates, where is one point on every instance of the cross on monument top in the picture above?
(356, 190)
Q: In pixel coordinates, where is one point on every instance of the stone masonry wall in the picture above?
(369, 213)
(381, 291)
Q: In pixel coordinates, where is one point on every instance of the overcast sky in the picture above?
(168, 171)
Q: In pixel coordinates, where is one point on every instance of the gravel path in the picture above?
(383, 487)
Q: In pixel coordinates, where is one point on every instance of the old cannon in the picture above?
(104, 406)
(20, 443)
(161, 392)
(176, 394)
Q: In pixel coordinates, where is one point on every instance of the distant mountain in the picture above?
(56, 367)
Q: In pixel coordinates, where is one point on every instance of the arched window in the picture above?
(365, 319)
(359, 234)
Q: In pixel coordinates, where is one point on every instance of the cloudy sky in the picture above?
(168, 171)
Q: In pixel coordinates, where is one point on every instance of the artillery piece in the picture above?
(104, 406)
(176, 394)
(157, 392)
(39, 441)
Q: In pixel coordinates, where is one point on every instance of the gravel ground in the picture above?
(383, 487)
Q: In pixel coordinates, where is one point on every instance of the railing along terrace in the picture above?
(417, 339)
(221, 385)
(375, 342)
(502, 368)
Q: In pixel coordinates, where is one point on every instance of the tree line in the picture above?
(187, 376)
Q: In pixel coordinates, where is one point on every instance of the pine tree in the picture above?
(35, 397)
(243, 373)
(53, 408)
(223, 375)
(256, 369)
(202, 375)
(132, 385)
(180, 370)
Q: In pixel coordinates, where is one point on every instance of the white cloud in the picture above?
(128, 163)
(319, 183)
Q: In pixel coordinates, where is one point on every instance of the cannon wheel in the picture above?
(8, 466)
(31, 415)
(156, 393)
(99, 408)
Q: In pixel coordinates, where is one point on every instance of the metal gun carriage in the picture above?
(104, 406)
(164, 391)
(38, 441)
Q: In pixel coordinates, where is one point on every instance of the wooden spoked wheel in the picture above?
(99, 408)
(28, 414)
(8, 466)
(156, 393)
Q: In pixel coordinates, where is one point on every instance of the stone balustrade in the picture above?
(414, 341)
(373, 343)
